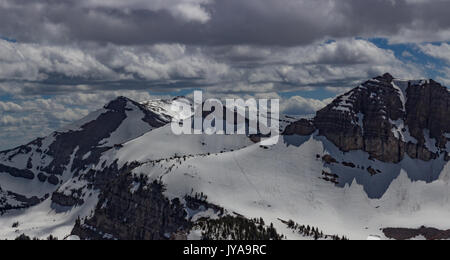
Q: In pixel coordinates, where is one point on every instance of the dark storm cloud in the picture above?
(218, 22)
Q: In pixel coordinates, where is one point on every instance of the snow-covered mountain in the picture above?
(372, 164)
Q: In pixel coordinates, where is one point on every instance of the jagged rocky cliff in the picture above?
(387, 118)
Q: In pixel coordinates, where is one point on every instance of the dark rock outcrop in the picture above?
(349, 164)
(329, 159)
(66, 200)
(409, 233)
(428, 107)
(302, 127)
(26, 174)
(42, 177)
(21, 201)
(53, 180)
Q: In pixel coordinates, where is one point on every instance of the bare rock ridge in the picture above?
(386, 118)
(301, 127)
(407, 233)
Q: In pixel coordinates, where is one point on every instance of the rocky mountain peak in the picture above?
(386, 78)
(388, 118)
(118, 104)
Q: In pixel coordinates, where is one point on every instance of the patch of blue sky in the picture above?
(317, 93)
(7, 39)
(7, 98)
(411, 53)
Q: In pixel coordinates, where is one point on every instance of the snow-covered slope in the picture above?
(164, 108)
(286, 182)
(158, 144)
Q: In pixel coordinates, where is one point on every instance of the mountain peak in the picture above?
(387, 77)
(118, 104)
(388, 119)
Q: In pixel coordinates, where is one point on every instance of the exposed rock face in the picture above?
(302, 127)
(406, 233)
(53, 180)
(386, 118)
(19, 201)
(329, 159)
(67, 200)
(42, 177)
(428, 107)
(361, 120)
(26, 174)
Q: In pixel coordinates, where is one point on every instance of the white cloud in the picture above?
(441, 51)
(7, 120)
(164, 62)
(298, 105)
(407, 54)
(191, 12)
(420, 36)
(31, 62)
(10, 107)
(348, 51)
(188, 10)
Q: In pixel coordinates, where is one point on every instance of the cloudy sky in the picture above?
(61, 59)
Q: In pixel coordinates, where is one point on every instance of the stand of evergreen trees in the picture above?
(24, 237)
(237, 228)
(313, 232)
